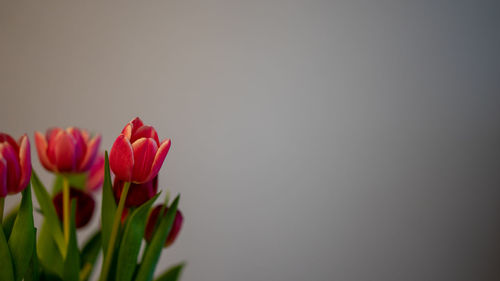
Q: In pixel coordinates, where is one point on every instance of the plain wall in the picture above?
(312, 140)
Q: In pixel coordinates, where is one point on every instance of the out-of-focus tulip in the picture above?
(15, 164)
(138, 193)
(67, 151)
(84, 206)
(95, 176)
(174, 232)
(137, 154)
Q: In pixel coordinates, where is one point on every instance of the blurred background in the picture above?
(311, 140)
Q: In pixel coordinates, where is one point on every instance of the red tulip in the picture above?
(15, 164)
(84, 206)
(95, 176)
(174, 232)
(138, 193)
(68, 151)
(137, 154)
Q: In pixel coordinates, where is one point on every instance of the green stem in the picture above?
(114, 231)
(2, 203)
(66, 215)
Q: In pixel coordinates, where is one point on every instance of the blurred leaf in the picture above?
(49, 213)
(50, 258)
(172, 274)
(6, 269)
(89, 255)
(108, 206)
(77, 180)
(72, 262)
(33, 270)
(22, 240)
(58, 184)
(131, 241)
(8, 222)
(153, 251)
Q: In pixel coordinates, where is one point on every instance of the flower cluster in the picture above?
(81, 173)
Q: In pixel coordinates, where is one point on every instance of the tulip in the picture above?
(85, 205)
(15, 164)
(95, 177)
(152, 222)
(137, 154)
(138, 193)
(67, 151)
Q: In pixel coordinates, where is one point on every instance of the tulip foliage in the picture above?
(133, 231)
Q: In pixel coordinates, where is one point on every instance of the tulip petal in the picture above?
(145, 132)
(132, 127)
(144, 154)
(96, 175)
(80, 144)
(6, 138)
(13, 169)
(41, 147)
(24, 162)
(51, 133)
(92, 148)
(61, 152)
(3, 177)
(159, 158)
(121, 158)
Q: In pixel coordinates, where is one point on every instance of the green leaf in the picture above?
(58, 184)
(153, 251)
(131, 241)
(172, 274)
(6, 269)
(22, 240)
(89, 255)
(50, 258)
(72, 262)
(33, 270)
(49, 213)
(8, 222)
(108, 206)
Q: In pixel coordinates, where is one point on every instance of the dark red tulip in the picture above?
(85, 205)
(138, 193)
(96, 175)
(137, 154)
(68, 151)
(15, 164)
(174, 232)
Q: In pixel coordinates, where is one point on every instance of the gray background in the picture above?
(312, 140)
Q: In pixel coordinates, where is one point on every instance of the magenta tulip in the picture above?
(137, 154)
(152, 222)
(15, 164)
(67, 151)
(85, 205)
(95, 176)
(138, 193)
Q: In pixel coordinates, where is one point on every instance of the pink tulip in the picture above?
(95, 176)
(174, 232)
(85, 205)
(137, 154)
(67, 151)
(138, 193)
(15, 164)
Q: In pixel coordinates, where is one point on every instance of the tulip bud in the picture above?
(137, 154)
(152, 222)
(15, 164)
(67, 151)
(96, 175)
(84, 206)
(138, 193)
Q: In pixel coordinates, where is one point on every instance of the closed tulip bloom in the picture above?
(95, 177)
(15, 164)
(85, 205)
(137, 154)
(138, 193)
(152, 222)
(67, 151)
